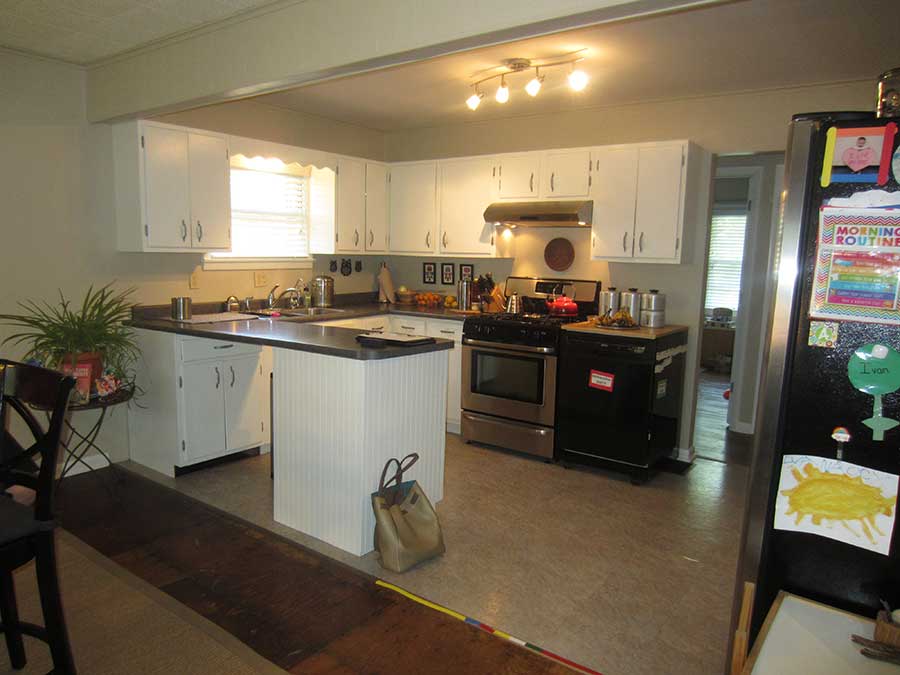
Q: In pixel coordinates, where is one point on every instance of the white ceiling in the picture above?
(739, 46)
(82, 31)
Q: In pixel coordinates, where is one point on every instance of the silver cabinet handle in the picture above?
(447, 332)
(531, 182)
(406, 327)
(223, 346)
(183, 231)
(356, 237)
(428, 240)
(232, 375)
(641, 243)
(371, 237)
(199, 231)
(444, 240)
(624, 240)
(218, 377)
(552, 176)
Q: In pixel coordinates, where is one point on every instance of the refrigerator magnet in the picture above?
(858, 154)
(874, 369)
(823, 334)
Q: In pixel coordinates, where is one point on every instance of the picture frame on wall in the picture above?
(448, 274)
(466, 271)
(429, 273)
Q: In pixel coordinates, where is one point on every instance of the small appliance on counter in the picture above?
(509, 364)
(322, 291)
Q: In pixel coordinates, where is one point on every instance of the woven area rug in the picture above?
(294, 607)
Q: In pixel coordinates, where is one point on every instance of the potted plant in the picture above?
(84, 342)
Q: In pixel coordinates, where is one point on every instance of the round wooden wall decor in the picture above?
(559, 254)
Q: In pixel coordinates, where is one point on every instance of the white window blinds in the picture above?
(726, 255)
(269, 215)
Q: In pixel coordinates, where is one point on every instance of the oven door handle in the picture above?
(499, 347)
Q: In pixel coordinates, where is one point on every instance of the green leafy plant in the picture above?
(57, 331)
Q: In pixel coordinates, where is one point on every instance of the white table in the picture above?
(802, 636)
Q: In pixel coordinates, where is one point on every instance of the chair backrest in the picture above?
(23, 385)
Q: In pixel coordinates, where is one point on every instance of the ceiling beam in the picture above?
(309, 41)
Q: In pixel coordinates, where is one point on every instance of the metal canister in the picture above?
(653, 318)
(181, 308)
(631, 300)
(464, 294)
(888, 104)
(323, 291)
(653, 300)
(608, 301)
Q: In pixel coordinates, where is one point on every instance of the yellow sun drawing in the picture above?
(837, 497)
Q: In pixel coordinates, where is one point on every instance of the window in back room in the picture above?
(726, 248)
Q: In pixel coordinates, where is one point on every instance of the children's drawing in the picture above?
(875, 370)
(858, 155)
(837, 500)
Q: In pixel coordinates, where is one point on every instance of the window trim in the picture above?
(250, 263)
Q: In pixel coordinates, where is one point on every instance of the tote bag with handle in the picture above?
(407, 529)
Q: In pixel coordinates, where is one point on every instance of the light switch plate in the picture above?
(260, 279)
(194, 280)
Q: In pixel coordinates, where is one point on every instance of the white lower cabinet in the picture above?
(451, 330)
(410, 325)
(201, 399)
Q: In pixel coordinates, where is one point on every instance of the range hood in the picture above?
(541, 214)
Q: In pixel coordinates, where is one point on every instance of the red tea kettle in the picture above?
(562, 306)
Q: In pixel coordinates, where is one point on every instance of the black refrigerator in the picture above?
(821, 501)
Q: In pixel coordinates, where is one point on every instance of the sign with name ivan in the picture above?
(857, 275)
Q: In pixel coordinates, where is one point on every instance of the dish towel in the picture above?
(385, 285)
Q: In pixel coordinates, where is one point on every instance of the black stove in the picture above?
(536, 330)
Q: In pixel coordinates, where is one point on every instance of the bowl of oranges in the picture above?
(429, 299)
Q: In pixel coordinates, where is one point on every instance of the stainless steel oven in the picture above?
(509, 395)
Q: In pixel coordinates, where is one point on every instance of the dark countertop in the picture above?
(641, 332)
(293, 334)
(405, 310)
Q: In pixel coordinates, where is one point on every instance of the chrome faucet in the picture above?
(293, 297)
(232, 304)
(270, 299)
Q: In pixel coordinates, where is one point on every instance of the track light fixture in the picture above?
(577, 78)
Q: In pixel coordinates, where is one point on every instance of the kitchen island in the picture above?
(339, 412)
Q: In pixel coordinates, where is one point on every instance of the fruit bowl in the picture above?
(429, 299)
(406, 297)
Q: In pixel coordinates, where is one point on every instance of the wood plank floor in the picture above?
(712, 439)
(301, 610)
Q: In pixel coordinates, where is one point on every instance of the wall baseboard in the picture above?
(684, 455)
(741, 428)
(94, 461)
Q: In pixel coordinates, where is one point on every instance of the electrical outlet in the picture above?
(260, 279)
(194, 280)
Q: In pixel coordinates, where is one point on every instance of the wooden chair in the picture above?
(27, 532)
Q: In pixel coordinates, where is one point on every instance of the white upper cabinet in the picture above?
(566, 174)
(413, 207)
(351, 204)
(166, 188)
(376, 207)
(639, 201)
(518, 176)
(660, 186)
(466, 190)
(210, 192)
(614, 190)
(172, 188)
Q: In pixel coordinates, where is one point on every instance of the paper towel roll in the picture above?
(385, 285)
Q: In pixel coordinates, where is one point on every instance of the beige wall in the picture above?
(749, 122)
(258, 120)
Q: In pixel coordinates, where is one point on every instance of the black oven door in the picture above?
(509, 382)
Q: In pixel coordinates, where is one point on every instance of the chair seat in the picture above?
(16, 521)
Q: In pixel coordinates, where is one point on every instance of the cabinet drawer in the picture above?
(449, 330)
(408, 324)
(196, 349)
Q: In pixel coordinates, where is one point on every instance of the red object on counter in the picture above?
(562, 306)
(726, 394)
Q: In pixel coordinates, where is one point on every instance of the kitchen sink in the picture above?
(311, 311)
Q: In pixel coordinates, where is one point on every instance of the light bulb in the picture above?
(474, 100)
(502, 94)
(534, 85)
(578, 80)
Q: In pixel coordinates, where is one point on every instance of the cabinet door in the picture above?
(451, 330)
(376, 207)
(658, 209)
(614, 190)
(210, 193)
(380, 323)
(413, 207)
(519, 176)
(168, 199)
(204, 407)
(351, 204)
(566, 174)
(466, 191)
(246, 391)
